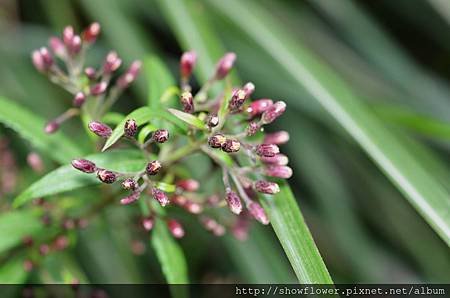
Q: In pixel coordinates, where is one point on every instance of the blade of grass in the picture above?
(420, 187)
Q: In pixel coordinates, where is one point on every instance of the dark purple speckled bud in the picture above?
(106, 176)
(100, 129)
(161, 135)
(84, 165)
(233, 201)
(187, 101)
(258, 213)
(231, 146)
(252, 128)
(237, 100)
(153, 167)
(266, 187)
(129, 184)
(217, 141)
(130, 128)
(273, 112)
(160, 196)
(267, 150)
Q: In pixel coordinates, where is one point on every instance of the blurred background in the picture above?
(393, 55)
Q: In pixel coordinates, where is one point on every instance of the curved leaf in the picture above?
(189, 119)
(31, 128)
(159, 80)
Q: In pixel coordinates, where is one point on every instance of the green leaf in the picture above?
(31, 128)
(171, 257)
(166, 186)
(66, 178)
(141, 116)
(12, 272)
(159, 80)
(397, 162)
(14, 225)
(189, 119)
(113, 118)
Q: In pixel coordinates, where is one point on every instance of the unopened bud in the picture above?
(90, 72)
(187, 63)
(175, 228)
(224, 65)
(240, 228)
(106, 176)
(112, 62)
(193, 207)
(278, 138)
(212, 120)
(160, 196)
(129, 184)
(188, 185)
(161, 135)
(57, 46)
(217, 141)
(28, 265)
(278, 159)
(267, 150)
(68, 34)
(42, 59)
(27, 241)
(98, 88)
(51, 127)
(153, 167)
(34, 160)
(44, 249)
(237, 100)
(100, 129)
(61, 243)
(267, 187)
(84, 165)
(130, 75)
(147, 223)
(231, 146)
(79, 99)
(179, 200)
(91, 33)
(252, 128)
(130, 198)
(68, 224)
(187, 101)
(273, 112)
(284, 172)
(258, 213)
(259, 106)
(249, 88)
(130, 128)
(233, 201)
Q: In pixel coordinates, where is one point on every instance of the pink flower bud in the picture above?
(233, 201)
(61, 243)
(112, 62)
(188, 185)
(231, 146)
(258, 213)
(284, 172)
(187, 101)
(68, 224)
(28, 265)
(133, 197)
(91, 33)
(267, 150)
(100, 129)
(267, 187)
(193, 207)
(278, 159)
(90, 72)
(42, 59)
(51, 127)
(240, 228)
(98, 88)
(187, 63)
(217, 141)
(153, 167)
(106, 176)
(147, 223)
(129, 184)
(130, 75)
(212, 120)
(44, 249)
(224, 65)
(237, 99)
(84, 165)
(35, 162)
(175, 228)
(161, 135)
(259, 106)
(79, 99)
(130, 128)
(57, 46)
(219, 231)
(68, 34)
(160, 196)
(252, 128)
(74, 45)
(273, 112)
(179, 200)
(249, 88)
(278, 138)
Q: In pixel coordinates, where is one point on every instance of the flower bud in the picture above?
(34, 160)
(259, 106)
(187, 101)
(175, 228)
(130, 75)
(112, 62)
(100, 129)
(249, 88)
(278, 159)
(68, 224)
(133, 197)
(258, 213)
(44, 249)
(219, 231)
(28, 241)
(68, 34)
(188, 185)
(28, 265)
(106, 176)
(231, 146)
(267, 150)
(179, 200)
(273, 112)
(57, 46)
(212, 120)
(153, 167)
(233, 201)
(42, 59)
(84, 165)
(266, 187)
(129, 184)
(79, 99)
(224, 65)
(51, 127)
(193, 207)
(130, 128)
(278, 138)
(252, 128)
(61, 243)
(187, 63)
(240, 228)
(284, 172)
(99, 88)
(237, 99)
(147, 223)
(91, 33)
(161, 135)
(217, 141)
(160, 196)
(90, 72)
